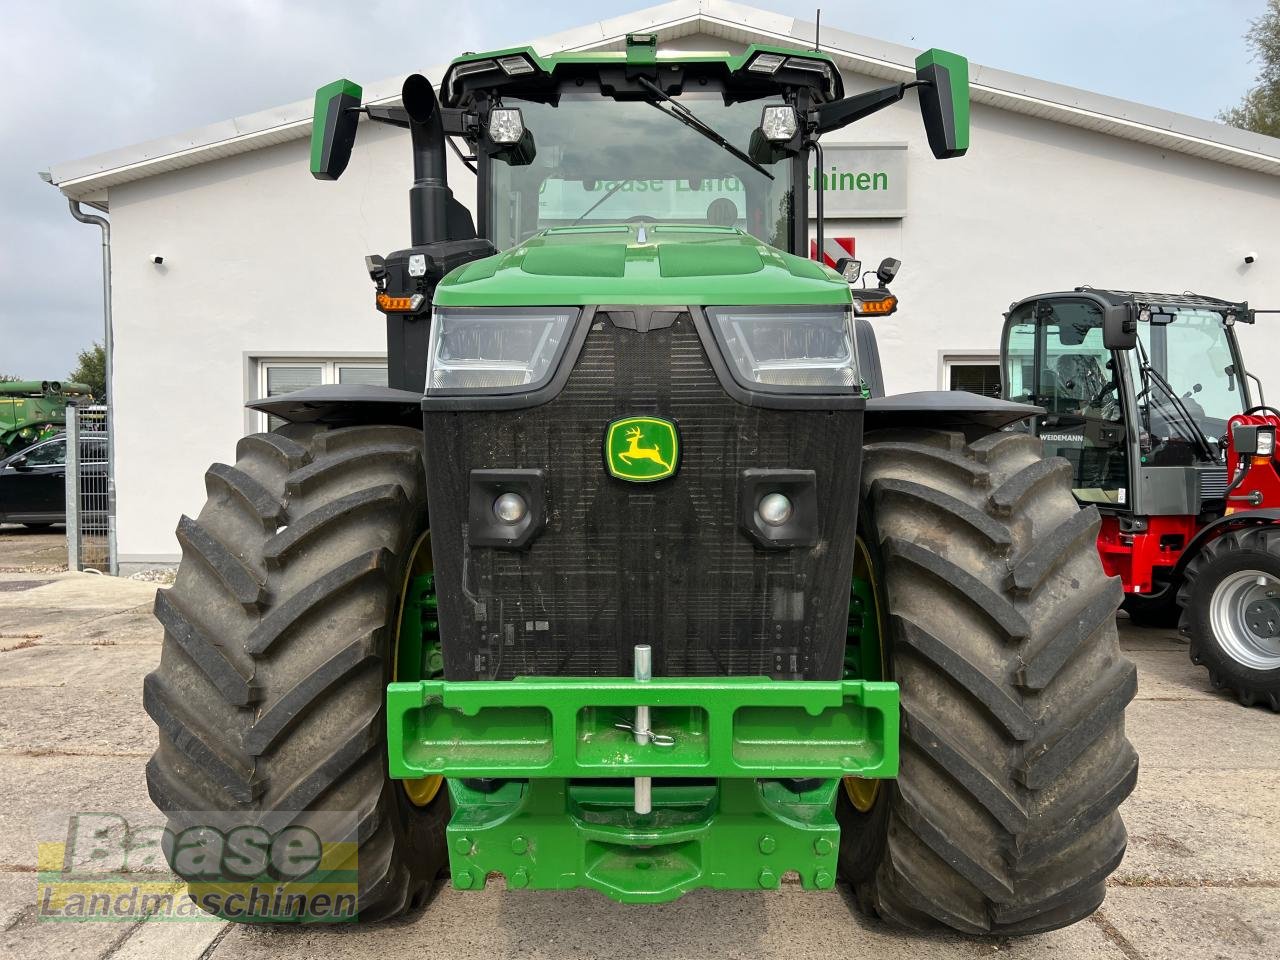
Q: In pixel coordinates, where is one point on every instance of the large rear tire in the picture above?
(1231, 614)
(279, 643)
(999, 627)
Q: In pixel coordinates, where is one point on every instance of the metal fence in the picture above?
(91, 521)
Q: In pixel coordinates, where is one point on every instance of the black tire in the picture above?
(1228, 659)
(279, 638)
(1158, 610)
(999, 625)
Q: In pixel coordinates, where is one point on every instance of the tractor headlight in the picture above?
(506, 125)
(788, 349)
(765, 63)
(1266, 441)
(779, 123)
(478, 350)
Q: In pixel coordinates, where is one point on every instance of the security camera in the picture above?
(1250, 257)
(157, 259)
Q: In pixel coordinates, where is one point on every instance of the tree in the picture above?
(8, 378)
(1259, 109)
(91, 369)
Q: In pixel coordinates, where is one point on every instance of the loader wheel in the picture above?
(1158, 610)
(1000, 631)
(1231, 614)
(279, 640)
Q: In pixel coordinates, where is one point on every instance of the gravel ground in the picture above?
(1201, 878)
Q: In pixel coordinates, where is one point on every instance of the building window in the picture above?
(278, 376)
(973, 374)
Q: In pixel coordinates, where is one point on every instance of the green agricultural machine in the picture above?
(34, 410)
(629, 581)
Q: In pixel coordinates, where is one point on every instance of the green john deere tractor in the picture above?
(632, 580)
(34, 410)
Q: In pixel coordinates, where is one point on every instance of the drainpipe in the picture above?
(108, 350)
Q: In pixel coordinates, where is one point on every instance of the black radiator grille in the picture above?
(1213, 483)
(622, 563)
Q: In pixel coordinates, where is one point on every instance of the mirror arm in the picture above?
(394, 116)
(456, 122)
(841, 113)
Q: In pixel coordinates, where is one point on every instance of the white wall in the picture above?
(261, 259)
(1037, 206)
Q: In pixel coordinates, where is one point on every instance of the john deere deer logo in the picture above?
(636, 452)
(641, 449)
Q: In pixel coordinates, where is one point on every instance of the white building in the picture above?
(263, 284)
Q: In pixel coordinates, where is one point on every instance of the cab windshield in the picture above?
(1186, 382)
(600, 160)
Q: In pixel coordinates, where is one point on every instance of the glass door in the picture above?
(1054, 357)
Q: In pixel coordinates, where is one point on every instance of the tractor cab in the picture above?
(1138, 391)
(598, 142)
(627, 169)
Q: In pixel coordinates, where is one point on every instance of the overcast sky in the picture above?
(84, 77)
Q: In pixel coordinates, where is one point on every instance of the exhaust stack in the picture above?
(443, 233)
(430, 195)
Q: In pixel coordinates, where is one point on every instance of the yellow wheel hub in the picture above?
(422, 791)
(862, 793)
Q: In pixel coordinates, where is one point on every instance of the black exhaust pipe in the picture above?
(430, 195)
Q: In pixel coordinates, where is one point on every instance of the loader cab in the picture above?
(1143, 426)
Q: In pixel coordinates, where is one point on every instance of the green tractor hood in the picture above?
(684, 264)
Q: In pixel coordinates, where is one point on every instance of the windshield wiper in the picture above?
(1196, 433)
(592, 209)
(691, 120)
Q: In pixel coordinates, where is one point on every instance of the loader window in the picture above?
(1191, 351)
(1055, 358)
(599, 160)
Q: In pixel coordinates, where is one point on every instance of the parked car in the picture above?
(33, 482)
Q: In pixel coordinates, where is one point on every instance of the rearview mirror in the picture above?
(333, 128)
(18, 463)
(1119, 327)
(944, 101)
(887, 270)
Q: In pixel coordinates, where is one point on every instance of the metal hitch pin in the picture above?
(643, 673)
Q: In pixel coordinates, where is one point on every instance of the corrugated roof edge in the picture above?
(89, 176)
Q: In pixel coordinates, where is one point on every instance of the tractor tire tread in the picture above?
(270, 693)
(1004, 819)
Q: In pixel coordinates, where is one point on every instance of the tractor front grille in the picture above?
(663, 563)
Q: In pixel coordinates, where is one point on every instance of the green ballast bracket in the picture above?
(572, 727)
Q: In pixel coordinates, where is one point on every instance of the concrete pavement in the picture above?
(22, 549)
(1201, 879)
